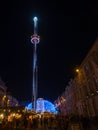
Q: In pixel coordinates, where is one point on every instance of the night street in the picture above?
(48, 65)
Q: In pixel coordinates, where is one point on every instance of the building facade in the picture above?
(3, 89)
(6, 99)
(81, 94)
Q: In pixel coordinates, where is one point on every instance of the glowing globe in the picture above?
(43, 106)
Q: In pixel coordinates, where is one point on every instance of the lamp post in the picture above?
(4, 101)
(79, 76)
(35, 39)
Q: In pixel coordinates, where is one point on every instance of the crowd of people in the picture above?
(43, 121)
(47, 121)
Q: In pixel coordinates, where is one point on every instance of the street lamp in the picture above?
(77, 70)
(4, 100)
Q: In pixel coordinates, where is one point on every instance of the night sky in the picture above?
(67, 31)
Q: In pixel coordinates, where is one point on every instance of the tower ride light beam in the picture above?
(35, 39)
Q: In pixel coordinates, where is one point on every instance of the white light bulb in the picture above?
(35, 19)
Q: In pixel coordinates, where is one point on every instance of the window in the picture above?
(91, 86)
(95, 82)
(88, 68)
(94, 57)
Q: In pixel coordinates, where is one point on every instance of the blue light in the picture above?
(42, 106)
(35, 19)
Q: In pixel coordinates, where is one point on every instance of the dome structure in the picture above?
(43, 106)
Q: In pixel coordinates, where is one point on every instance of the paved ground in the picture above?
(71, 128)
(75, 126)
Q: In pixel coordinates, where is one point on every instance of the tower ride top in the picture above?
(35, 39)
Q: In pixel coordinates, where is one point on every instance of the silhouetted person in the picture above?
(85, 123)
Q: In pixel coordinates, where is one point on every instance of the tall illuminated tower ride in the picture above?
(35, 40)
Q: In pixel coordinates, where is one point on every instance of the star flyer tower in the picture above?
(35, 39)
